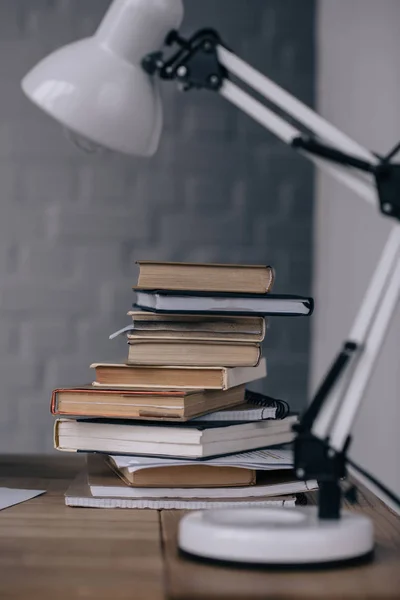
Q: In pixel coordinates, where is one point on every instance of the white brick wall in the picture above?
(71, 226)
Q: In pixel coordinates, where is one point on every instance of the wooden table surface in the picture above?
(50, 551)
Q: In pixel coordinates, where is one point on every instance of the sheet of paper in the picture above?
(261, 460)
(10, 497)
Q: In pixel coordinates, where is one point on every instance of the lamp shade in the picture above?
(97, 88)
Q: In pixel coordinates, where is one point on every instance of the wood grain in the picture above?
(50, 551)
(187, 578)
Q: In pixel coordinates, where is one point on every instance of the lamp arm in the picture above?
(334, 406)
(290, 134)
(331, 418)
(203, 61)
(372, 343)
(292, 106)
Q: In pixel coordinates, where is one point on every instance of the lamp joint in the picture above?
(195, 63)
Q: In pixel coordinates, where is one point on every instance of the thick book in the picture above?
(207, 277)
(79, 495)
(150, 377)
(194, 354)
(161, 439)
(227, 328)
(167, 301)
(175, 405)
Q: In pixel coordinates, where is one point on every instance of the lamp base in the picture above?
(276, 537)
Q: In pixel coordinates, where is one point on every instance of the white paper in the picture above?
(260, 460)
(10, 497)
(121, 331)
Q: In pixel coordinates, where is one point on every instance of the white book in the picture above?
(165, 440)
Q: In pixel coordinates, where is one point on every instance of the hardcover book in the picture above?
(209, 277)
(195, 354)
(177, 405)
(184, 377)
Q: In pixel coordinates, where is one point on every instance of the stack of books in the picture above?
(174, 426)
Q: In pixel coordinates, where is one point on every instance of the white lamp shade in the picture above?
(97, 88)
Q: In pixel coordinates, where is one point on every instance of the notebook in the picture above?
(79, 495)
(256, 407)
(207, 277)
(158, 438)
(160, 301)
(175, 405)
(150, 377)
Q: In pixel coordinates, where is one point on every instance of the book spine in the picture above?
(225, 379)
(263, 329)
(53, 402)
(259, 356)
(56, 438)
(271, 280)
(55, 435)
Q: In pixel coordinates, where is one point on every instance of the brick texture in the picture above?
(71, 226)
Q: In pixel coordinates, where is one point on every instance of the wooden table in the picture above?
(50, 551)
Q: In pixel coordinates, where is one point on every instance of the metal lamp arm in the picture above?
(204, 62)
(336, 411)
(292, 106)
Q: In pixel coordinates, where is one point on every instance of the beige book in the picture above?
(186, 476)
(173, 377)
(196, 327)
(207, 277)
(203, 354)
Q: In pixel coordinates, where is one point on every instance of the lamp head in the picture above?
(97, 88)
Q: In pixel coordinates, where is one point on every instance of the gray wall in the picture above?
(71, 227)
(358, 90)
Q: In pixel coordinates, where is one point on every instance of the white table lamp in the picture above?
(104, 88)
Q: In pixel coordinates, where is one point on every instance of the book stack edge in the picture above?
(181, 396)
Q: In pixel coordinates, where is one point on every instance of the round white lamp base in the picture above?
(284, 536)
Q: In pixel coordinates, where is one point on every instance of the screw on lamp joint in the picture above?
(182, 71)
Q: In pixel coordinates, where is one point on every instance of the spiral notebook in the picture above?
(257, 407)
